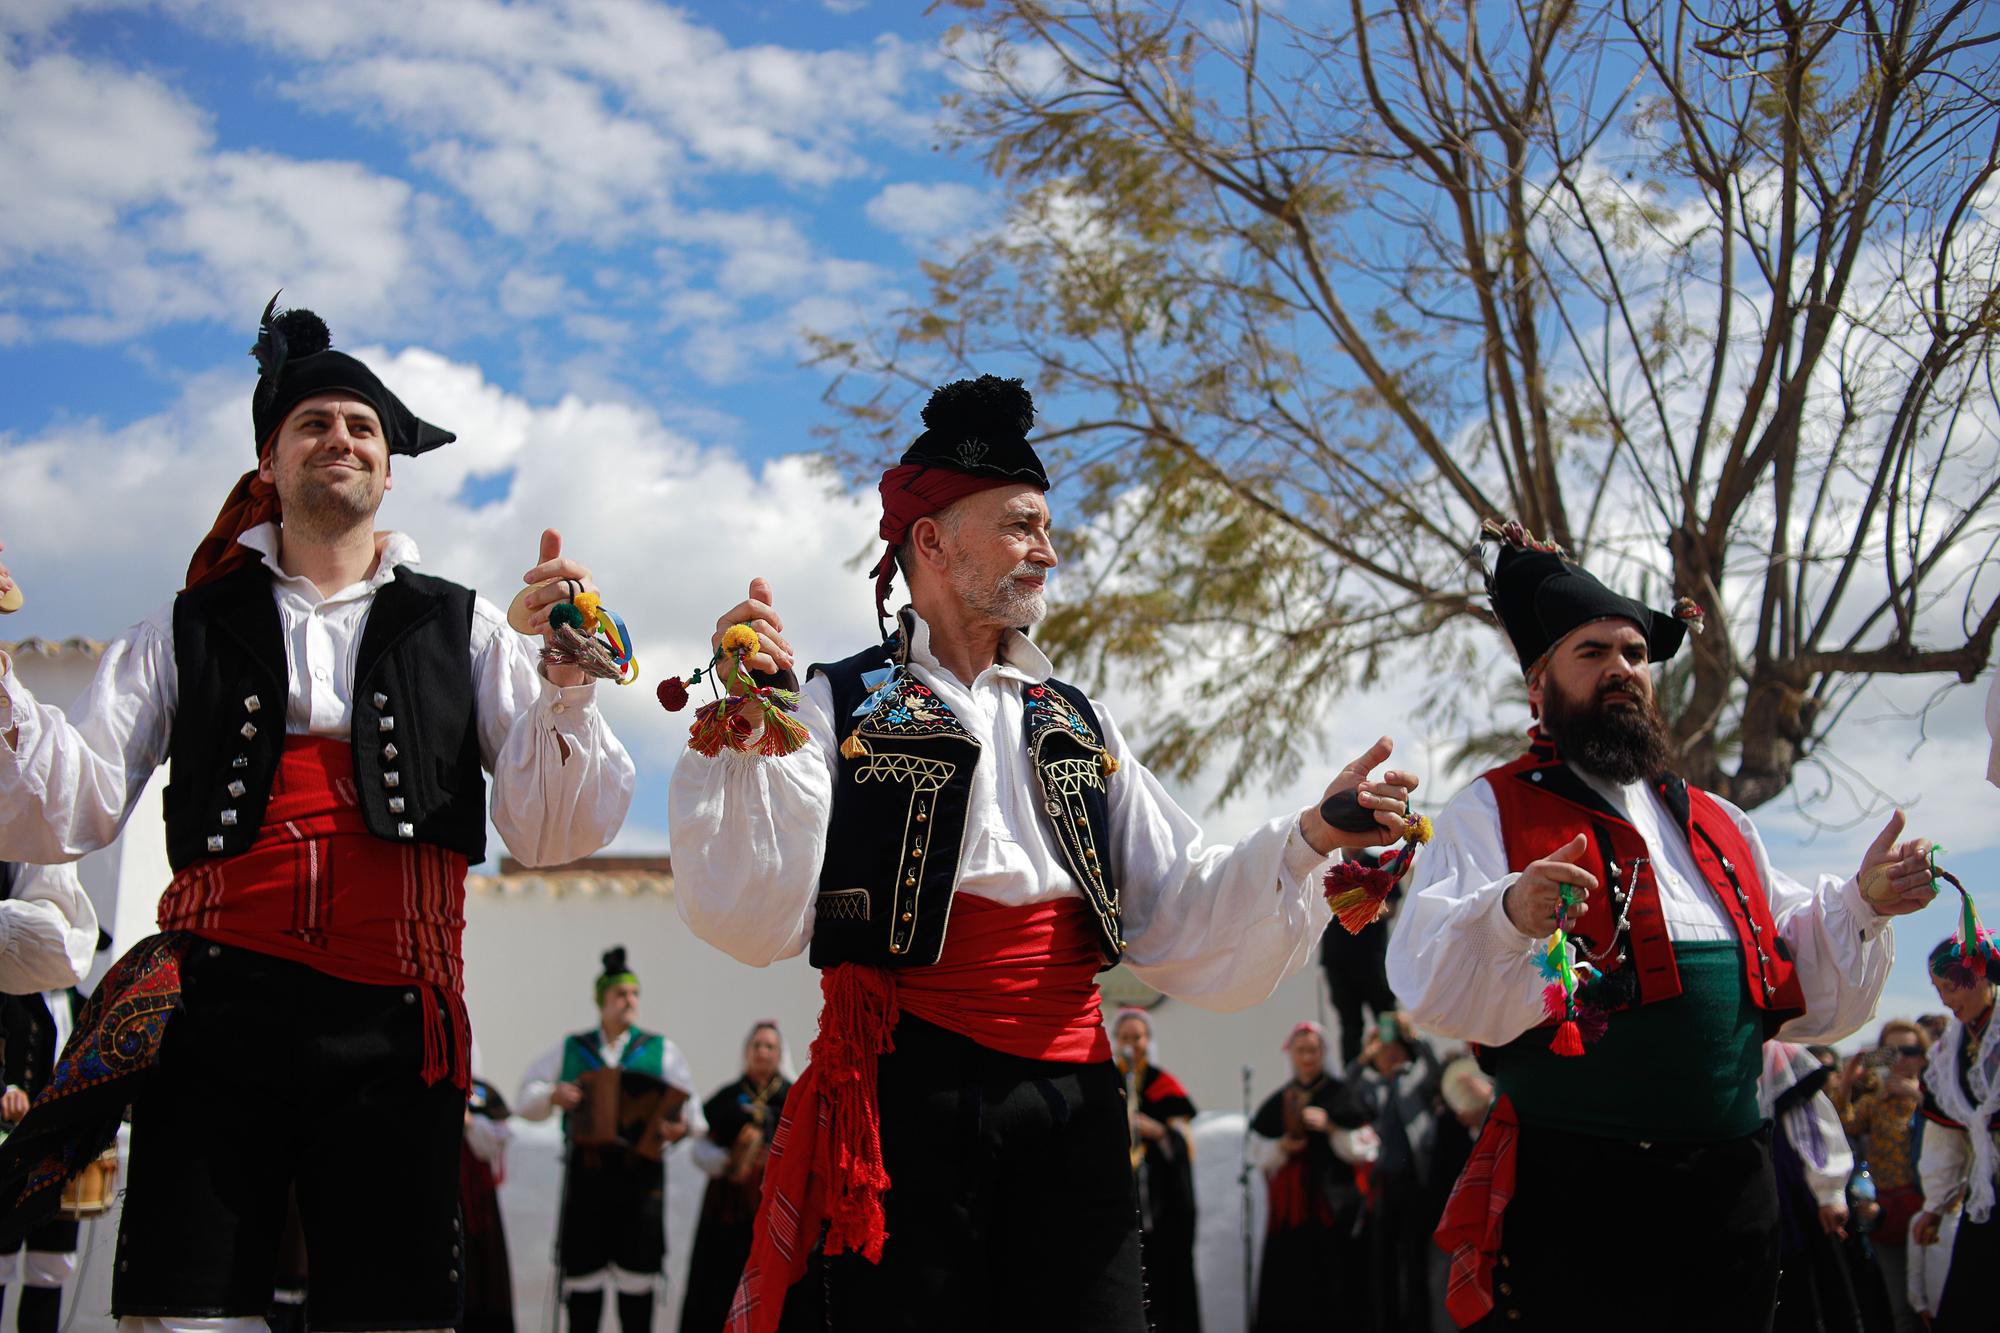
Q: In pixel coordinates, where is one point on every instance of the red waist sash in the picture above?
(318, 888)
(1019, 980)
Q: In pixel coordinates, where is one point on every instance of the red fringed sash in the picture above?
(1470, 1230)
(318, 888)
(1015, 979)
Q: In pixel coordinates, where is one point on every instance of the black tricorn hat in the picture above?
(1540, 595)
(980, 427)
(295, 360)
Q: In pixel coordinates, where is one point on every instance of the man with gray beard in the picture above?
(964, 842)
(1627, 1164)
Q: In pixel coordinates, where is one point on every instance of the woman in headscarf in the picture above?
(741, 1117)
(1958, 1158)
(1314, 1260)
(1163, 1157)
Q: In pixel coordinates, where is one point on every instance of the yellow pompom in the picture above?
(1417, 829)
(740, 641)
(1107, 762)
(588, 603)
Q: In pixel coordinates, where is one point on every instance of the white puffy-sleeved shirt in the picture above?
(540, 1081)
(48, 930)
(1462, 970)
(561, 781)
(1218, 926)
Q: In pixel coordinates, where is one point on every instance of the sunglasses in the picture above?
(1908, 1052)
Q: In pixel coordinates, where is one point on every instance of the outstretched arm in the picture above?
(67, 783)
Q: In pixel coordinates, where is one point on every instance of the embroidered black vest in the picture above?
(415, 730)
(899, 811)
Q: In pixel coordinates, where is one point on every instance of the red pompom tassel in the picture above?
(1358, 894)
(1569, 1039)
(673, 694)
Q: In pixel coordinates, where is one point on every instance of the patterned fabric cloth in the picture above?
(115, 1044)
(1470, 1229)
(1881, 1123)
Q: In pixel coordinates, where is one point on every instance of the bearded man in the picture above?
(330, 716)
(964, 842)
(1634, 1179)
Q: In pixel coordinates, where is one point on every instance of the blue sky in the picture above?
(586, 237)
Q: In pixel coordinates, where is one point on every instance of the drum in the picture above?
(622, 1108)
(90, 1192)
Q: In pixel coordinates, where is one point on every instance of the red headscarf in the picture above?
(252, 502)
(911, 491)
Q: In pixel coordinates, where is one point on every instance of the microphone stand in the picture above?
(1243, 1181)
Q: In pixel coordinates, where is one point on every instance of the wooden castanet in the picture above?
(12, 600)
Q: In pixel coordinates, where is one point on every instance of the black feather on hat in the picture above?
(1540, 595)
(296, 359)
(980, 427)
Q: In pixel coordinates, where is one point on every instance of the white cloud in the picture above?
(120, 214)
(843, 6)
(918, 212)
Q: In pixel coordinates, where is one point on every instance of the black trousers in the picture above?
(1357, 975)
(274, 1076)
(1011, 1202)
(1968, 1300)
(614, 1212)
(1667, 1238)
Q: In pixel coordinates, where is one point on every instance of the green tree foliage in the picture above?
(1706, 292)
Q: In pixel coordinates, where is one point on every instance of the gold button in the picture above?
(1081, 822)
(1090, 853)
(916, 851)
(1506, 1290)
(909, 916)
(1514, 1315)
(909, 879)
(922, 817)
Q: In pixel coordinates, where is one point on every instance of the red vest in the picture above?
(1543, 804)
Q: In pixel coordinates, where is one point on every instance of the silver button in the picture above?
(406, 830)
(385, 724)
(215, 842)
(249, 730)
(215, 951)
(1534, 777)
(392, 779)
(240, 761)
(252, 704)
(396, 804)
(237, 788)
(228, 818)
(409, 997)
(381, 700)
(390, 751)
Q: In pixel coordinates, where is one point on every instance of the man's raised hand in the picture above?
(1388, 797)
(756, 611)
(1533, 901)
(1896, 878)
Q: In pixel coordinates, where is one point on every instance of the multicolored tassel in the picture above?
(1557, 964)
(584, 633)
(1359, 893)
(1975, 954)
(718, 723)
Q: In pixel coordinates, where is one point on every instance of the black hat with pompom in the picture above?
(296, 360)
(980, 427)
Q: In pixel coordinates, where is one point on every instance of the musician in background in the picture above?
(1315, 1259)
(612, 1236)
(741, 1119)
(1163, 1157)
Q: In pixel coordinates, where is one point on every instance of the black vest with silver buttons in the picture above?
(415, 731)
(898, 822)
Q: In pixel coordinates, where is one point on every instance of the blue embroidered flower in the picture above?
(899, 714)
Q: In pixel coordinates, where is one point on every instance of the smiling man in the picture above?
(1640, 1169)
(329, 716)
(964, 843)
